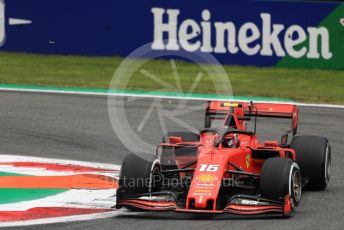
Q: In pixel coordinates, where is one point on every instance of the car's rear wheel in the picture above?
(138, 176)
(313, 154)
(281, 177)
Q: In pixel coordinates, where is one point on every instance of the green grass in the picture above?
(306, 85)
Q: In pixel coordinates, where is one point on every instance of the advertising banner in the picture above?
(245, 32)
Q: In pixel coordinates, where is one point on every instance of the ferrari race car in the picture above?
(225, 168)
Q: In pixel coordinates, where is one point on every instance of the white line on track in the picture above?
(73, 198)
(62, 219)
(161, 96)
(15, 158)
(40, 171)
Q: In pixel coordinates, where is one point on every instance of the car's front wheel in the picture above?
(281, 177)
(137, 176)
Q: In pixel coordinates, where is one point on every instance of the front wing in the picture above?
(239, 205)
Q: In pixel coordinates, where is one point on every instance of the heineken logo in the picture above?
(263, 37)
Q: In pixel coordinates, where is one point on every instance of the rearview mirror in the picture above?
(284, 139)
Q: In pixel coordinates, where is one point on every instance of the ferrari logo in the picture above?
(248, 159)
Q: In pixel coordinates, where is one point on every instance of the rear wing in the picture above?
(273, 110)
(219, 110)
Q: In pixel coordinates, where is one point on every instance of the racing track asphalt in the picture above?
(78, 128)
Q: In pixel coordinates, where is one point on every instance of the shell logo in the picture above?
(206, 178)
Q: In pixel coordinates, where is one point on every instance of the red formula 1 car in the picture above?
(225, 168)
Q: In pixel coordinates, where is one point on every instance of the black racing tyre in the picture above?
(137, 175)
(313, 155)
(280, 177)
